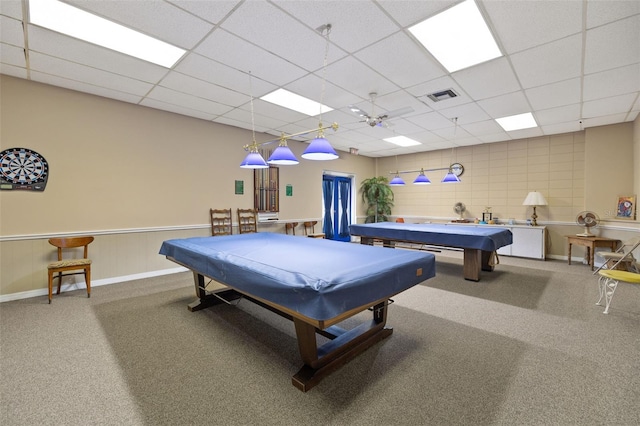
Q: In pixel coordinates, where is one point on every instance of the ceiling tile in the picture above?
(365, 22)
(360, 79)
(13, 71)
(11, 31)
(12, 55)
(609, 106)
(211, 11)
(613, 82)
(156, 104)
(256, 20)
(261, 64)
(188, 101)
(83, 87)
(408, 63)
(553, 20)
(551, 62)
(203, 89)
(614, 45)
(216, 73)
(505, 105)
(603, 12)
(563, 114)
(556, 94)
(11, 8)
(84, 74)
(488, 80)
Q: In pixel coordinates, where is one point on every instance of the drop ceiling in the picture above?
(573, 64)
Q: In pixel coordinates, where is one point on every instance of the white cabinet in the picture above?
(528, 241)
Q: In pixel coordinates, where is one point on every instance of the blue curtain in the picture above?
(345, 188)
(327, 192)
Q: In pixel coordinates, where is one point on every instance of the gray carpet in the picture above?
(524, 346)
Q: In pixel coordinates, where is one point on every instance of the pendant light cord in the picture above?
(253, 124)
(324, 70)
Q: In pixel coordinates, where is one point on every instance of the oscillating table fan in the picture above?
(588, 220)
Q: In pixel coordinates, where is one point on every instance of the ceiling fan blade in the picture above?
(358, 111)
(397, 113)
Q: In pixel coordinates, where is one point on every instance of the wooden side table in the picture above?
(591, 243)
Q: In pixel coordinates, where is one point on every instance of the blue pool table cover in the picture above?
(317, 278)
(487, 238)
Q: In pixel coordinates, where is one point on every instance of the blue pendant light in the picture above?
(320, 149)
(254, 160)
(421, 179)
(450, 178)
(396, 181)
(282, 155)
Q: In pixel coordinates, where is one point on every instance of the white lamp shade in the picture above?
(534, 198)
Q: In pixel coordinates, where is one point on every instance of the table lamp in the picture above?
(534, 199)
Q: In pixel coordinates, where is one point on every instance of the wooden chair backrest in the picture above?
(292, 226)
(247, 221)
(71, 242)
(221, 223)
(310, 226)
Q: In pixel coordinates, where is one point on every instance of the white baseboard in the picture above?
(96, 283)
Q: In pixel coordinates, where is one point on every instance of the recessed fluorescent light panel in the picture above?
(517, 122)
(402, 141)
(458, 37)
(298, 103)
(66, 19)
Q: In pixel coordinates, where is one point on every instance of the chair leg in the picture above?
(601, 287)
(609, 289)
(87, 278)
(59, 282)
(50, 286)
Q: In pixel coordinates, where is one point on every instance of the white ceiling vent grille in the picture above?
(442, 95)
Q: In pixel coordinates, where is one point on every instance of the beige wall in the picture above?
(134, 176)
(131, 176)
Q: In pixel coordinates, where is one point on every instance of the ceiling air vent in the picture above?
(442, 95)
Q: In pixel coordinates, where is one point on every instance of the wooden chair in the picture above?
(310, 230)
(80, 266)
(221, 223)
(247, 221)
(290, 226)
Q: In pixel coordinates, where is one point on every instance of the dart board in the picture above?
(22, 168)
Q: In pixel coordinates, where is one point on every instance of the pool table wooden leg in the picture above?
(320, 362)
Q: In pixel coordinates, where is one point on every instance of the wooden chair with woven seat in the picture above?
(221, 223)
(247, 221)
(63, 267)
(310, 229)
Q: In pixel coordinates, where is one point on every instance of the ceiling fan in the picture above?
(378, 120)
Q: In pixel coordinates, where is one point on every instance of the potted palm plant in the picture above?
(378, 195)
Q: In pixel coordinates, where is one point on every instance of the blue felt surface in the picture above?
(488, 238)
(316, 277)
